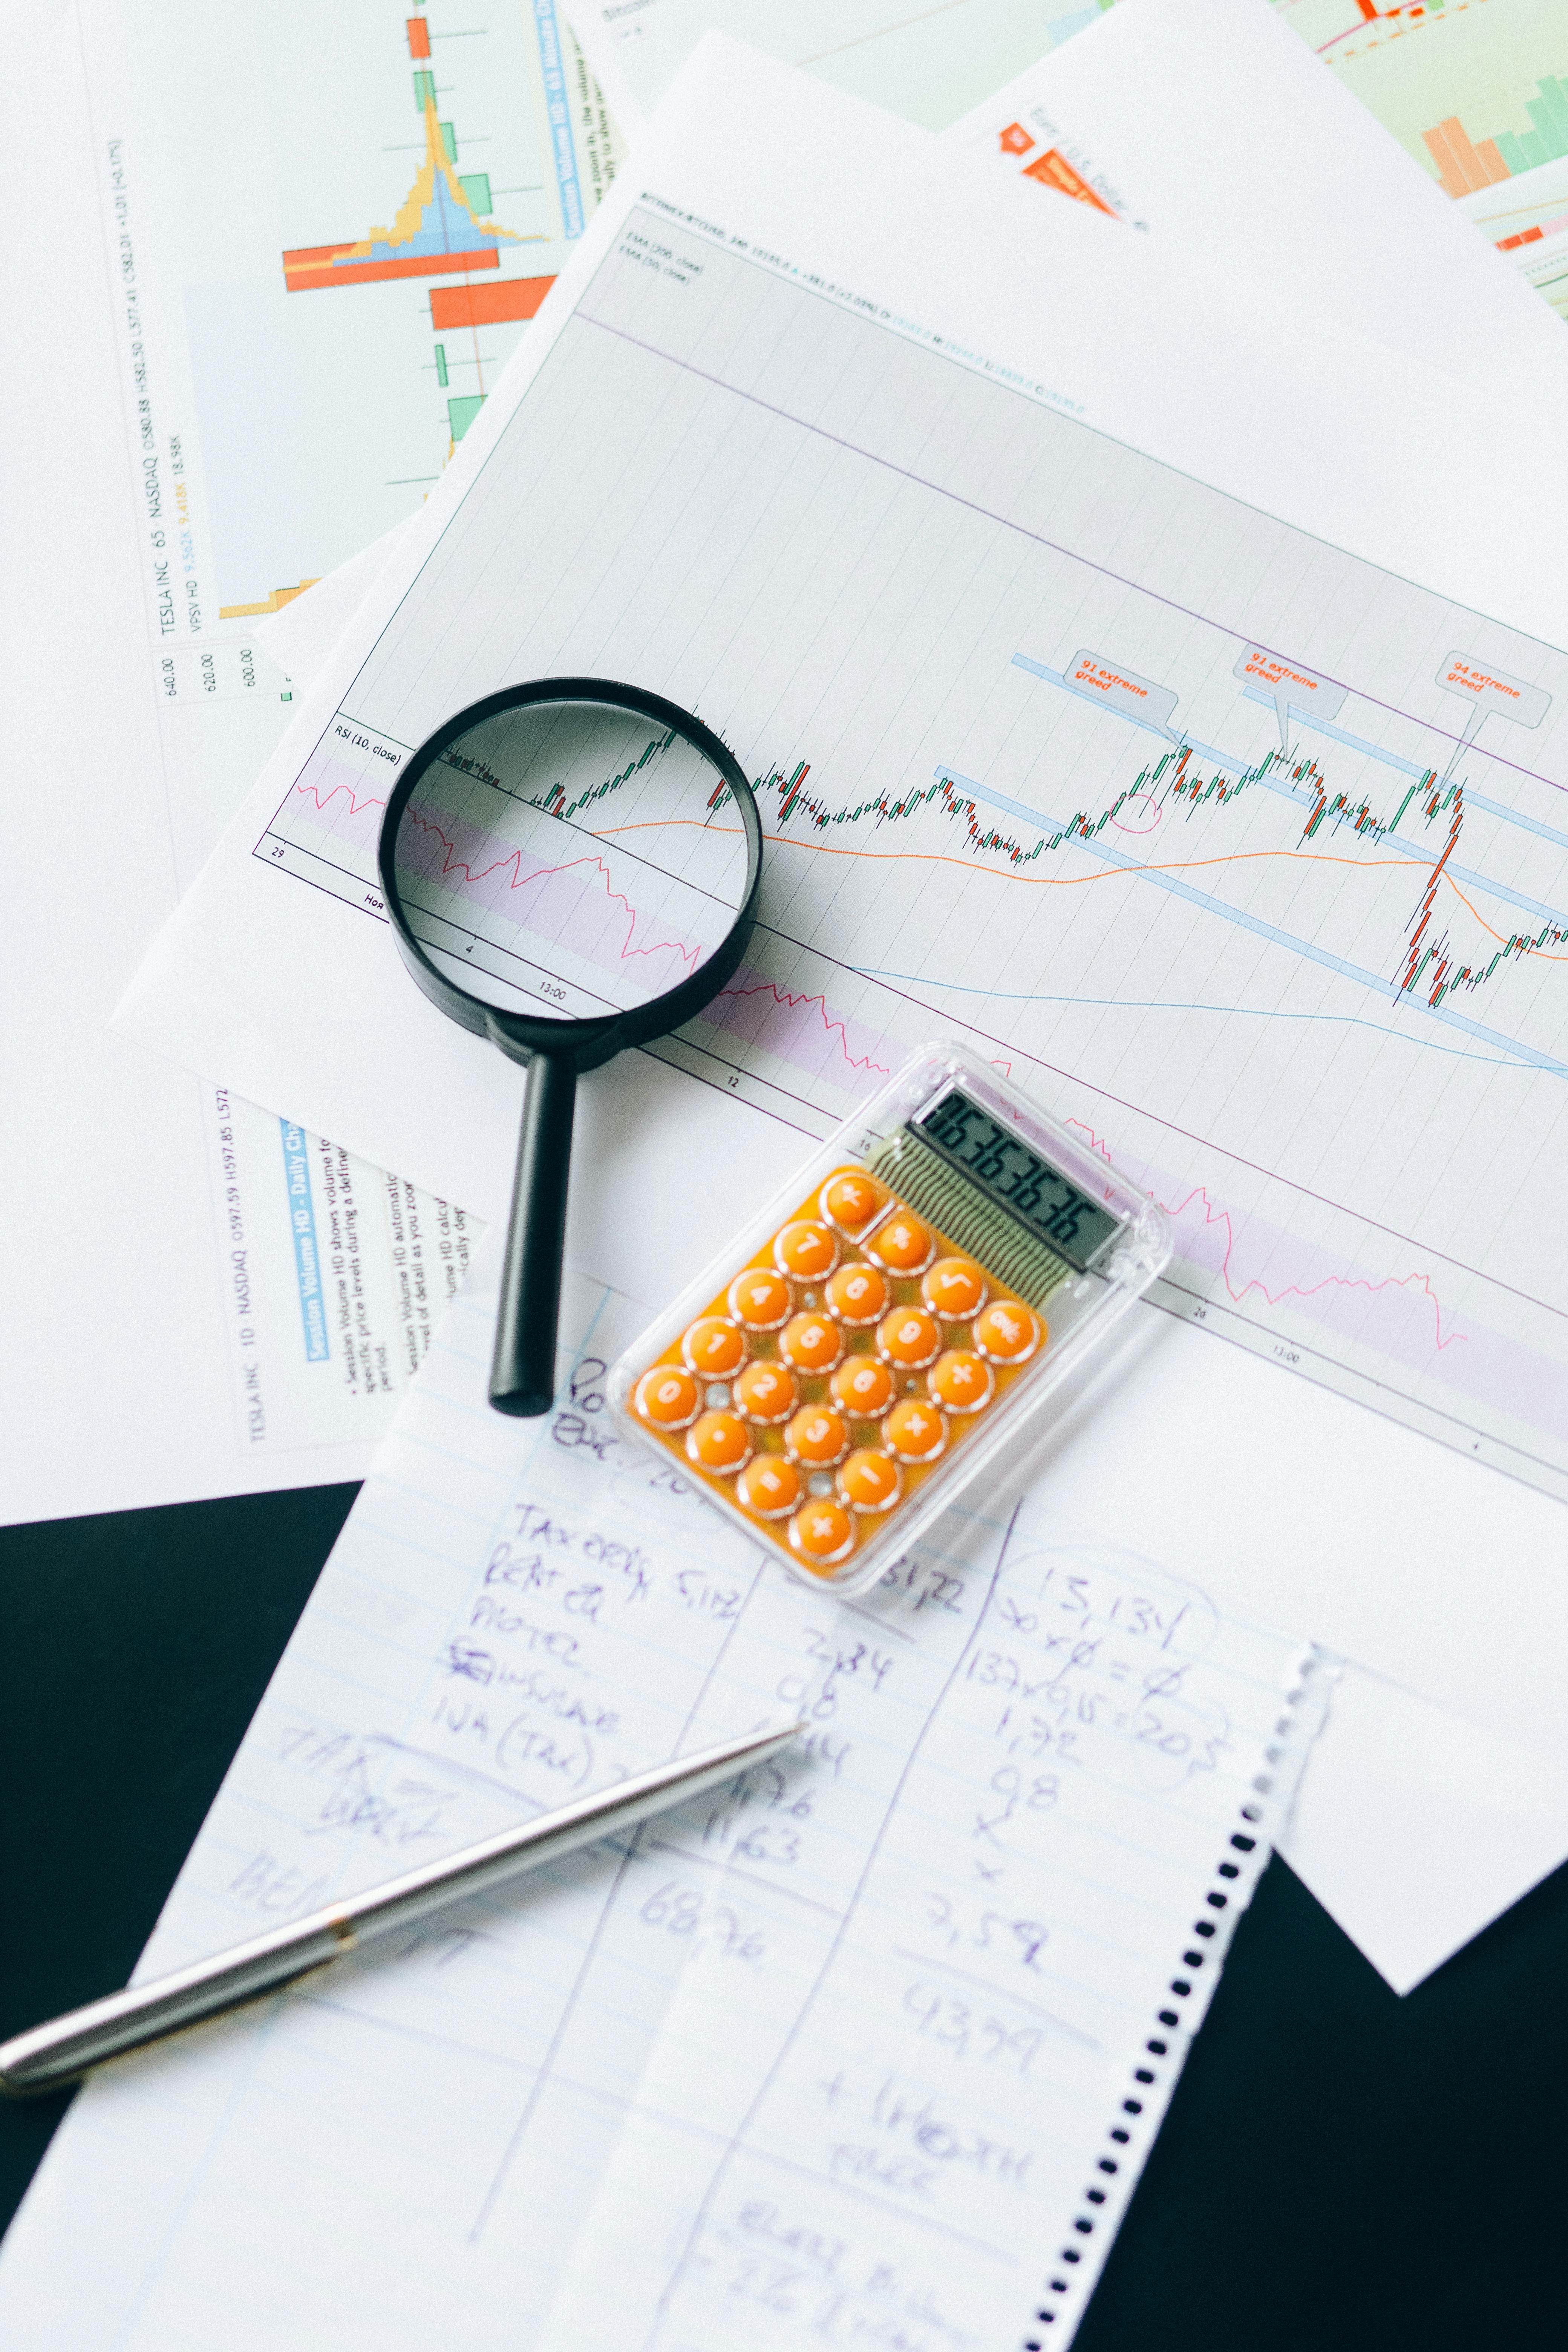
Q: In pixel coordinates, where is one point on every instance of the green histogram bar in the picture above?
(1549, 112)
(476, 186)
(441, 365)
(461, 410)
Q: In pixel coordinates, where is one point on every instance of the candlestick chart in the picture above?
(1444, 929)
(1423, 893)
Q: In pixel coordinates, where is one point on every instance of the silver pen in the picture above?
(48, 2055)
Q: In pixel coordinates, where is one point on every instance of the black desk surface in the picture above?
(1339, 2169)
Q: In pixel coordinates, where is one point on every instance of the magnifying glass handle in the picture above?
(522, 1371)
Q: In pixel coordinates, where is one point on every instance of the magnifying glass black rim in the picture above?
(594, 1039)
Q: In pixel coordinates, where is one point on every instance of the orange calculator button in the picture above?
(914, 1431)
(954, 1288)
(961, 1381)
(1008, 1331)
(761, 1299)
(862, 1387)
(817, 1438)
(823, 1534)
(667, 1397)
(812, 1343)
(909, 1337)
(858, 1293)
(769, 1485)
(903, 1243)
(806, 1250)
(719, 1442)
(766, 1393)
(869, 1481)
(714, 1348)
(851, 1200)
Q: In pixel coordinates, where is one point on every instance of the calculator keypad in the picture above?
(854, 1353)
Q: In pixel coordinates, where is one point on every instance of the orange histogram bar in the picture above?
(502, 301)
(1461, 167)
(272, 604)
(309, 266)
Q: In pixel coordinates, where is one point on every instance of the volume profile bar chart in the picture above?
(437, 231)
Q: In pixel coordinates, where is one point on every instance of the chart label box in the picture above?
(1292, 687)
(1134, 698)
(1493, 692)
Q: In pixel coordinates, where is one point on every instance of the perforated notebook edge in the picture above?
(1130, 2133)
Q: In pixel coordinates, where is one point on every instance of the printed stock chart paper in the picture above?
(285, 255)
(1476, 91)
(1314, 192)
(1251, 856)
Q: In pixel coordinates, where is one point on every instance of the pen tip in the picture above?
(776, 1735)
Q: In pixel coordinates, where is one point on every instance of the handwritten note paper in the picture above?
(867, 2049)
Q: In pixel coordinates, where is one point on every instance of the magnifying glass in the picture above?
(570, 866)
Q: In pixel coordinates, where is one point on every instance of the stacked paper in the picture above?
(1161, 321)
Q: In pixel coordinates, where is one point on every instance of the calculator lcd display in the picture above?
(1073, 1224)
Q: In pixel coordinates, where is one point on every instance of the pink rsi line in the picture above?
(320, 799)
(1216, 1216)
(452, 864)
(787, 1002)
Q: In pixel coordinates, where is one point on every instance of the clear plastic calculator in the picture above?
(950, 1258)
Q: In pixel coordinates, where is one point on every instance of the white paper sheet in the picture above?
(925, 1960)
(201, 441)
(928, 64)
(1300, 187)
(1417, 1826)
(1462, 90)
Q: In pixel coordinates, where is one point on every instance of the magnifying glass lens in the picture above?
(570, 860)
